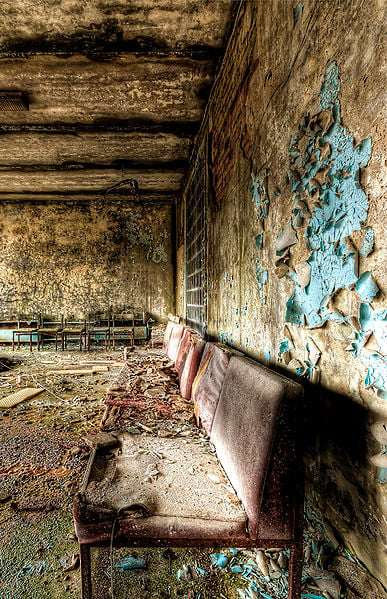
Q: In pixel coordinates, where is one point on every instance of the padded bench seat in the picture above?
(190, 497)
(172, 492)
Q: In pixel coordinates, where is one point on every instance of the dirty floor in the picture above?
(42, 460)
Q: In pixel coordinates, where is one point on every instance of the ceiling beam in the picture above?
(118, 165)
(57, 181)
(93, 147)
(168, 196)
(178, 128)
(111, 50)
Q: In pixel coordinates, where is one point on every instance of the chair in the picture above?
(98, 326)
(73, 328)
(26, 329)
(50, 328)
(123, 328)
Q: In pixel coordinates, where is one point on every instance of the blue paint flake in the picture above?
(225, 338)
(366, 287)
(297, 13)
(285, 346)
(382, 478)
(267, 353)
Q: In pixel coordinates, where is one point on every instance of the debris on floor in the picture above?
(44, 446)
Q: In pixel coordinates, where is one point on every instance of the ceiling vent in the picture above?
(13, 101)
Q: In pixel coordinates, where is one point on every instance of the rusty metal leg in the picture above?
(13, 340)
(30, 341)
(295, 572)
(87, 591)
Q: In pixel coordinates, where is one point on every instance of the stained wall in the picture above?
(77, 258)
(296, 235)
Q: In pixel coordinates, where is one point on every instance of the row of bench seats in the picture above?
(251, 414)
(201, 368)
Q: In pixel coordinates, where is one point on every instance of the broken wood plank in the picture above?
(79, 372)
(15, 398)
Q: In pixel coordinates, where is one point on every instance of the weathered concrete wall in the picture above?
(76, 258)
(296, 157)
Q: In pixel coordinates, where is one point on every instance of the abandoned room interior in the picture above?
(193, 326)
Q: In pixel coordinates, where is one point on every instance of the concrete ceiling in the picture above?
(116, 89)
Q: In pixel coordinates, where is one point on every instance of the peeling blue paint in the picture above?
(382, 478)
(267, 353)
(340, 205)
(330, 87)
(260, 199)
(244, 307)
(297, 13)
(377, 372)
(325, 174)
(368, 242)
(225, 338)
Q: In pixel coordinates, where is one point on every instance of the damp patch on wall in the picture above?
(140, 234)
(260, 199)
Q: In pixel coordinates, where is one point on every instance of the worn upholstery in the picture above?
(167, 335)
(183, 350)
(244, 428)
(189, 368)
(174, 341)
(189, 498)
(208, 383)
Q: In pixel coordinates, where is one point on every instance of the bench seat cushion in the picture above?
(167, 335)
(208, 383)
(174, 341)
(189, 368)
(244, 428)
(190, 497)
(183, 349)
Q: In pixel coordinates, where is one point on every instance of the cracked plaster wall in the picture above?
(295, 152)
(78, 258)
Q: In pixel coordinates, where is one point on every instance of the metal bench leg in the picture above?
(295, 572)
(87, 591)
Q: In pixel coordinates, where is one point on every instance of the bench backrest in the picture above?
(174, 341)
(244, 430)
(167, 335)
(208, 383)
(189, 367)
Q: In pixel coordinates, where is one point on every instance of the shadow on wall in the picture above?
(339, 481)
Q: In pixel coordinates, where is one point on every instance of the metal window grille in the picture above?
(196, 248)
